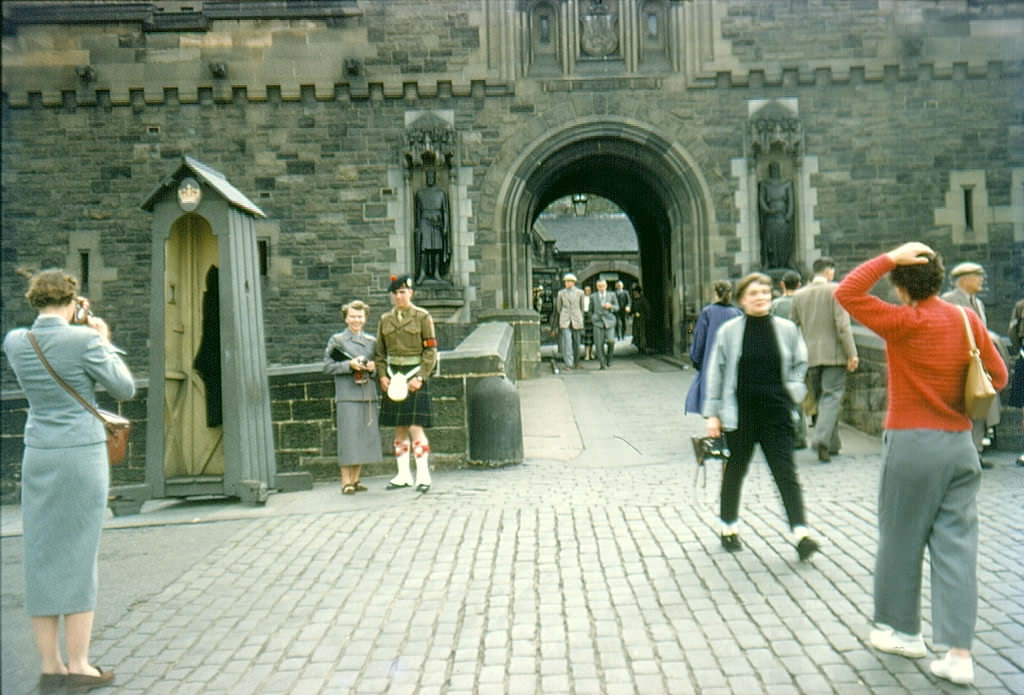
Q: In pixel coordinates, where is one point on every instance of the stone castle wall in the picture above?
(902, 104)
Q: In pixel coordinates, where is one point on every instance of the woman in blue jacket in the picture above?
(710, 320)
(65, 473)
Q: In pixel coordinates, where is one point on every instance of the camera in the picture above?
(82, 312)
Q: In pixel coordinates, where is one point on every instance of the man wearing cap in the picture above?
(407, 350)
(568, 318)
(831, 352)
(969, 279)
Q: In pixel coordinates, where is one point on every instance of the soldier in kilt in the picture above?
(406, 351)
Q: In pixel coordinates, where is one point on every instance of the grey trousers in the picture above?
(604, 344)
(569, 342)
(927, 497)
(980, 427)
(827, 383)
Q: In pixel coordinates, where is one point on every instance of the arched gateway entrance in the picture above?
(653, 180)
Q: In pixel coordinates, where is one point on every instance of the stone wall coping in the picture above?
(517, 315)
(489, 340)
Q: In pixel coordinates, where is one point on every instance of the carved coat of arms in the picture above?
(600, 36)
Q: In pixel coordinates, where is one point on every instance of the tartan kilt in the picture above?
(414, 410)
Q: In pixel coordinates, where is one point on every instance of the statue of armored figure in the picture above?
(775, 202)
(432, 234)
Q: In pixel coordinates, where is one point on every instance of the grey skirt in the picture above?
(63, 502)
(358, 433)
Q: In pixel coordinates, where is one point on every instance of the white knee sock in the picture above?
(421, 449)
(404, 476)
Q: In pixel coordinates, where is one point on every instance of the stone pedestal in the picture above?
(440, 298)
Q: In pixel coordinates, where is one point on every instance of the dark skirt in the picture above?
(414, 410)
(1016, 398)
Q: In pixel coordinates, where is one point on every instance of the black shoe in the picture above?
(397, 486)
(422, 487)
(986, 464)
(823, 454)
(731, 542)
(806, 547)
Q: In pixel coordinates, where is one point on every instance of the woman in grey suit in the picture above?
(349, 357)
(65, 474)
(755, 378)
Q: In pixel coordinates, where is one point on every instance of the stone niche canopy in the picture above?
(775, 126)
(429, 141)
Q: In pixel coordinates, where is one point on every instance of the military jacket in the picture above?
(406, 339)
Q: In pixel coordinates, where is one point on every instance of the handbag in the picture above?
(978, 390)
(118, 428)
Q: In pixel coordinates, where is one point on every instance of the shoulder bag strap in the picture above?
(56, 377)
(970, 333)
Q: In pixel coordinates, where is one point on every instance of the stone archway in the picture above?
(651, 178)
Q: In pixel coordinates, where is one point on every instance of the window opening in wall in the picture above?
(83, 270)
(652, 25)
(545, 29)
(263, 248)
(969, 209)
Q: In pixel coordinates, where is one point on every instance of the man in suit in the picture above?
(603, 308)
(567, 319)
(831, 352)
(969, 279)
(783, 304)
(622, 297)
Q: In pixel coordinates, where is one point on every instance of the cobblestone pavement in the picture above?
(593, 568)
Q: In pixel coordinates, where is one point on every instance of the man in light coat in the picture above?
(604, 305)
(831, 352)
(969, 279)
(567, 317)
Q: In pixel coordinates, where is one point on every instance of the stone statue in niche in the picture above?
(775, 203)
(432, 235)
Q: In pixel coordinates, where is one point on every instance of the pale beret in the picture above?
(966, 268)
(568, 276)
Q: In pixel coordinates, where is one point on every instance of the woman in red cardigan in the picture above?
(930, 468)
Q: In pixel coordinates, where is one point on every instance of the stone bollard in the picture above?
(495, 422)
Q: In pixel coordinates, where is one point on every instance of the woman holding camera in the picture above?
(349, 357)
(65, 472)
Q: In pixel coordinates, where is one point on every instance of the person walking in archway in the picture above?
(639, 307)
(603, 307)
(567, 320)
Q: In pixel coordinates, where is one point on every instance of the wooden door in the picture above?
(193, 435)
